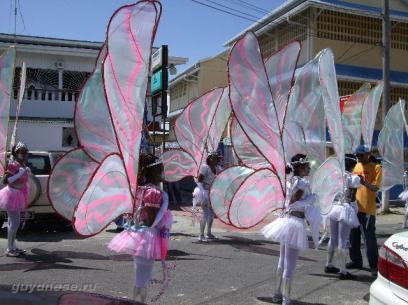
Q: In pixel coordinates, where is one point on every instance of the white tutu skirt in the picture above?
(346, 213)
(288, 230)
(146, 242)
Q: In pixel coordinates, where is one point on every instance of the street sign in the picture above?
(156, 83)
(157, 58)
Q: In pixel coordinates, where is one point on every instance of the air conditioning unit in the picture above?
(59, 65)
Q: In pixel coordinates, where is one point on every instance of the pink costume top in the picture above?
(14, 197)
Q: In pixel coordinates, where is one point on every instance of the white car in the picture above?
(40, 163)
(391, 285)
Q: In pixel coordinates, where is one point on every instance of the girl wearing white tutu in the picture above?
(290, 228)
(206, 177)
(146, 239)
(343, 217)
(14, 196)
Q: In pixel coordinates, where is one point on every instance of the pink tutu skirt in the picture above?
(13, 200)
(346, 213)
(146, 242)
(288, 230)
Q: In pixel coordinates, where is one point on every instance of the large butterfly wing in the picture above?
(7, 65)
(224, 188)
(177, 165)
(252, 101)
(280, 68)
(68, 180)
(125, 72)
(327, 182)
(391, 146)
(369, 114)
(97, 139)
(331, 102)
(219, 122)
(259, 194)
(193, 126)
(305, 111)
(246, 152)
(351, 118)
(106, 198)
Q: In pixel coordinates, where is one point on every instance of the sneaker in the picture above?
(201, 238)
(331, 269)
(353, 265)
(12, 253)
(277, 299)
(21, 251)
(347, 276)
(374, 272)
(211, 237)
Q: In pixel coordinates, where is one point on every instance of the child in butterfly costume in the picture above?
(14, 197)
(146, 239)
(343, 217)
(290, 229)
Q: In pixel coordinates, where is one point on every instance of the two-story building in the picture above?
(56, 71)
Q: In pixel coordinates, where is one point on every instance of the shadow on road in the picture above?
(39, 294)
(252, 246)
(294, 302)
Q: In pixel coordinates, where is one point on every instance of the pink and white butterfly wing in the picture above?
(259, 195)
(107, 197)
(327, 183)
(125, 71)
(369, 114)
(280, 68)
(391, 146)
(331, 102)
(177, 165)
(252, 101)
(351, 118)
(68, 180)
(224, 188)
(97, 139)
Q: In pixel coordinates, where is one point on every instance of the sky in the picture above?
(190, 29)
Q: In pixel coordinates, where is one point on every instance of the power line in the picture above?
(251, 6)
(232, 9)
(222, 10)
(21, 16)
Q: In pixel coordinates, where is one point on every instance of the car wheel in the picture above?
(35, 189)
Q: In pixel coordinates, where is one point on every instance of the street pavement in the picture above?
(61, 268)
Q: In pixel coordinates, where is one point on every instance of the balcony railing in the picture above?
(49, 95)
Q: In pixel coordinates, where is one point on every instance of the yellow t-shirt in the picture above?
(372, 173)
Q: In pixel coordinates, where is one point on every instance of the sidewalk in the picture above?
(390, 223)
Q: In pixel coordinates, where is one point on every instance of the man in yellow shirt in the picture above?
(371, 175)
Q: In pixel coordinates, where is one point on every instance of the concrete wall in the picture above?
(42, 136)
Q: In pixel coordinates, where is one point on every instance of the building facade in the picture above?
(56, 72)
(201, 77)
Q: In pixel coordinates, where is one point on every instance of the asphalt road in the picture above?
(60, 268)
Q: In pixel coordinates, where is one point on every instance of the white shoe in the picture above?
(201, 238)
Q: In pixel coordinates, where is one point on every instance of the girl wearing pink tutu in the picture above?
(14, 196)
(343, 217)
(290, 228)
(146, 234)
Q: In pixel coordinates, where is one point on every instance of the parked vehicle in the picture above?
(40, 163)
(391, 285)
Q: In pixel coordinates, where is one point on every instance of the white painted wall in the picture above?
(43, 136)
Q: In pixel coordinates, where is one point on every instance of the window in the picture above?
(69, 138)
(39, 164)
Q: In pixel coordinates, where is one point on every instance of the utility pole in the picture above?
(386, 78)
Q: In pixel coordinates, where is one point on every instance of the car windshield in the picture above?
(39, 164)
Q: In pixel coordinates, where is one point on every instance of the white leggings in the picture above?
(143, 270)
(12, 227)
(287, 260)
(339, 234)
